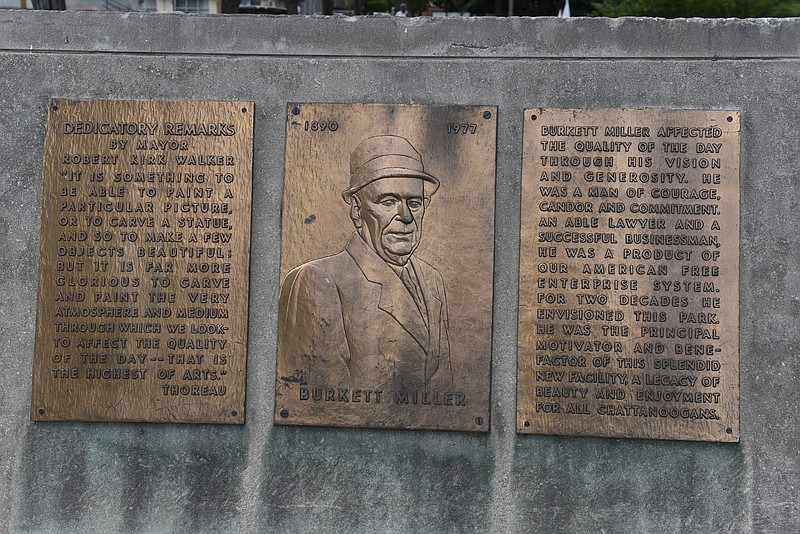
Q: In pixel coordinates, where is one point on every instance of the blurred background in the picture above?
(439, 8)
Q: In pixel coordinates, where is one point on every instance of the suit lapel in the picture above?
(395, 298)
(434, 305)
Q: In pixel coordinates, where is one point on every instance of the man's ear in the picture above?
(426, 200)
(355, 211)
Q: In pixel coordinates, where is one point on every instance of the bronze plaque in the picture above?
(144, 259)
(385, 321)
(629, 280)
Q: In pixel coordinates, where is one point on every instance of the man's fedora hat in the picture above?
(385, 156)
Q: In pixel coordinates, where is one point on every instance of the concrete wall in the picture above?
(79, 477)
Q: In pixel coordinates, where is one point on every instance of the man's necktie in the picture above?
(408, 281)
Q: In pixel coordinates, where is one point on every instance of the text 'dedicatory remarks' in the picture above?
(144, 262)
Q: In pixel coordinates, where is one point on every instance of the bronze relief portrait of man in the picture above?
(374, 197)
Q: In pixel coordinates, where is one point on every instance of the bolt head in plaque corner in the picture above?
(144, 262)
(629, 274)
(385, 311)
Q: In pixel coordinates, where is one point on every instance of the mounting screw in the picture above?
(479, 421)
(487, 114)
(730, 119)
(534, 117)
(284, 413)
(295, 111)
(527, 424)
(234, 413)
(40, 411)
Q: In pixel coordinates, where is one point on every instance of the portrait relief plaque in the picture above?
(629, 281)
(387, 253)
(144, 262)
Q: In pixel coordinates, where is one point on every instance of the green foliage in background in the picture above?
(630, 8)
(414, 7)
(377, 6)
(697, 8)
(522, 8)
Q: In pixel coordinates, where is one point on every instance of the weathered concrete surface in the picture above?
(76, 477)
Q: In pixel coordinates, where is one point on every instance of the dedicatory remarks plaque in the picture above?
(385, 320)
(143, 273)
(629, 297)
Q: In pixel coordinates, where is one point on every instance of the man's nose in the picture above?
(404, 212)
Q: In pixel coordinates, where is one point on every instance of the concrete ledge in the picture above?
(486, 37)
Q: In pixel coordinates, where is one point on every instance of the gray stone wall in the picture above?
(91, 477)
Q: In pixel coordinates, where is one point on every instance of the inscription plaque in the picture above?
(629, 296)
(144, 260)
(385, 321)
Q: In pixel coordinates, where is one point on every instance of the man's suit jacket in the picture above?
(347, 320)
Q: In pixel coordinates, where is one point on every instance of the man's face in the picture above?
(388, 214)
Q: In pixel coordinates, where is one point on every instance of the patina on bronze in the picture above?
(385, 310)
(629, 281)
(144, 259)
